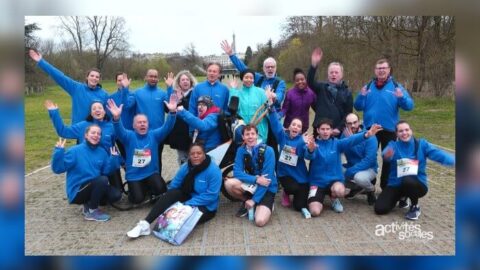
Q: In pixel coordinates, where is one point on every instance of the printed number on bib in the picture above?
(406, 166)
(141, 158)
(312, 192)
(289, 156)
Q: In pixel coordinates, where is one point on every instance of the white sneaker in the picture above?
(142, 228)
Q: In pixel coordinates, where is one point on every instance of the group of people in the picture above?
(272, 153)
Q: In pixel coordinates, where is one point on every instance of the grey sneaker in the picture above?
(337, 206)
(142, 228)
(96, 215)
(413, 213)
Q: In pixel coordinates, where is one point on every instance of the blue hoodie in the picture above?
(77, 131)
(326, 160)
(380, 106)
(268, 170)
(121, 97)
(82, 163)
(217, 91)
(281, 88)
(149, 100)
(406, 150)
(206, 186)
(82, 96)
(207, 128)
(148, 142)
(361, 157)
(299, 172)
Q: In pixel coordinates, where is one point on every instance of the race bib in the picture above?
(406, 166)
(312, 192)
(141, 158)
(289, 155)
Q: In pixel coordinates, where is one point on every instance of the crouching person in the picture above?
(254, 179)
(197, 183)
(86, 165)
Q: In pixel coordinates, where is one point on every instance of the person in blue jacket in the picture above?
(141, 145)
(361, 166)
(291, 168)
(380, 101)
(325, 172)
(206, 124)
(85, 165)
(82, 94)
(254, 182)
(408, 178)
(211, 87)
(197, 183)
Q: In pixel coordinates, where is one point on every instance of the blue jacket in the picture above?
(299, 172)
(77, 131)
(207, 128)
(381, 106)
(217, 91)
(268, 169)
(149, 100)
(206, 187)
(150, 141)
(121, 97)
(82, 164)
(361, 157)
(326, 161)
(406, 150)
(82, 96)
(281, 88)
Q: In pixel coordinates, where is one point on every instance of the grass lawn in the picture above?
(432, 118)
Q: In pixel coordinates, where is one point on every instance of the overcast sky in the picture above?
(166, 34)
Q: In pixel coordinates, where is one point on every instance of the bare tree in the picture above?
(76, 28)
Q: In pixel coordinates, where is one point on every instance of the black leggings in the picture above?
(115, 179)
(410, 187)
(170, 197)
(96, 190)
(384, 137)
(137, 190)
(299, 191)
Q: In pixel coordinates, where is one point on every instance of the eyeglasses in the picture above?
(352, 123)
(382, 68)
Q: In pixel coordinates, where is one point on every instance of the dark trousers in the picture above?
(384, 137)
(410, 187)
(170, 197)
(137, 190)
(272, 142)
(115, 180)
(160, 151)
(299, 191)
(98, 189)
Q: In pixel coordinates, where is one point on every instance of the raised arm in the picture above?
(74, 131)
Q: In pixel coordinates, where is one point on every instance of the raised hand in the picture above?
(125, 83)
(398, 92)
(36, 56)
(347, 132)
(172, 103)
(226, 47)
(114, 109)
(311, 145)
(113, 151)
(61, 143)
(49, 105)
(169, 79)
(317, 55)
(335, 132)
(374, 129)
(364, 91)
(233, 83)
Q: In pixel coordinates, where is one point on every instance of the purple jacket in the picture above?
(297, 105)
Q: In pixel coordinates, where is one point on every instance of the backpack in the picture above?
(247, 159)
(223, 127)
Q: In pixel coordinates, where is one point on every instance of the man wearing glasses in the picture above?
(361, 167)
(380, 101)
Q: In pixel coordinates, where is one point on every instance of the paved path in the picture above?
(53, 227)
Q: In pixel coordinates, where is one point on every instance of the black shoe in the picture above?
(371, 198)
(403, 203)
(353, 192)
(242, 211)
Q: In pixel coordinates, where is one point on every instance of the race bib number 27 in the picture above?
(406, 166)
(141, 158)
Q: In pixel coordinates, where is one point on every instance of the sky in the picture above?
(168, 34)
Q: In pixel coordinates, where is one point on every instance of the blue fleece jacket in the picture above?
(281, 88)
(77, 131)
(82, 96)
(149, 100)
(299, 172)
(206, 186)
(121, 97)
(326, 161)
(147, 143)
(381, 106)
(217, 91)
(361, 157)
(268, 170)
(207, 128)
(406, 150)
(82, 163)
